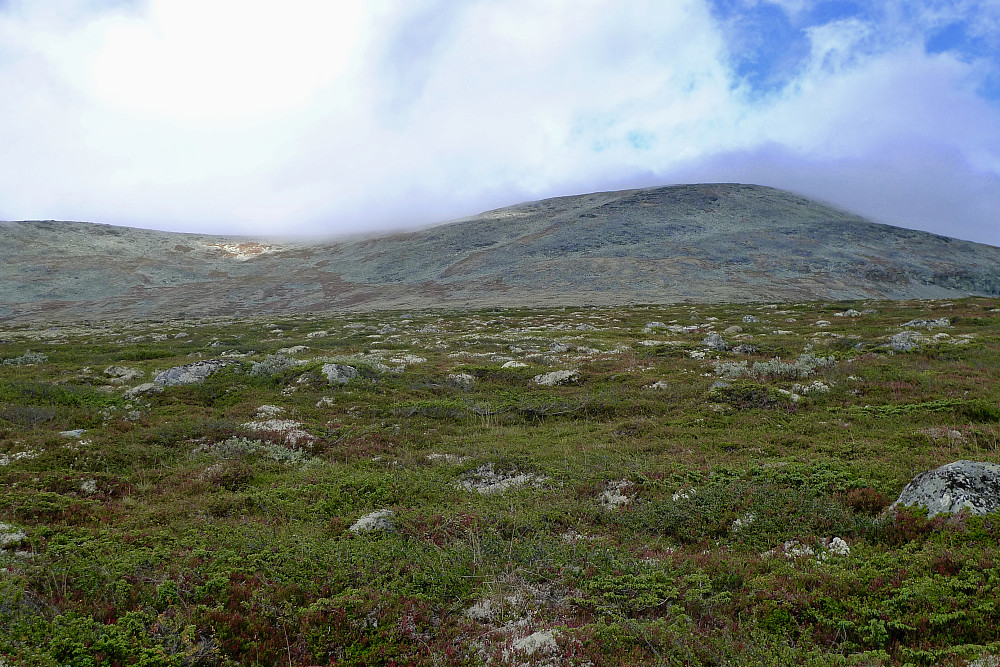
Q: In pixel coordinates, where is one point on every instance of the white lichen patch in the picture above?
(614, 495)
(487, 481)
(377, 521)
(7, 459)
(450, 459)
(684, 495)
(290, 430)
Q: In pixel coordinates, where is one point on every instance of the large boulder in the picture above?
(971, 485)
(191, 373)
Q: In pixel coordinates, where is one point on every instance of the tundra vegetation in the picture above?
(410, 488)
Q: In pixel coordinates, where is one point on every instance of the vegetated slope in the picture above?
(716, 242)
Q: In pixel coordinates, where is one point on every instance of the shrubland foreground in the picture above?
(700, 485)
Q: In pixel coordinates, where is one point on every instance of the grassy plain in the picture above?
(638, 516)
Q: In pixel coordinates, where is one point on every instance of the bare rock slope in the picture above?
(711, 242)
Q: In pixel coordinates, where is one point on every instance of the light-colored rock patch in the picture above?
(557, 378)
(288, 429)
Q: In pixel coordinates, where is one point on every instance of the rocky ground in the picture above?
(687, 484)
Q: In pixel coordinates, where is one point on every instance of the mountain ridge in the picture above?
(700, 242)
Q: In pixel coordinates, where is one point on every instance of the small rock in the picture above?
(295, 349)
(733, 330)
(122, 374)
(143, 390)
(750, 319)
(556, 378)
(190, 373)
(558, 347)
(745, 348)
(661, 384)
(715, 341)
(515, 364)
(75, 433)
(928, 324)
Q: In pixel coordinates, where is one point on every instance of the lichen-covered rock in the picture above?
(904, 341)
(143, 389)
(971, 485)
(928, 324)
(339, 373)
(190, 373)
(557, 377)
(715, 341)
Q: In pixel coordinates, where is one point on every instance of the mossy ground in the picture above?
(155, 538)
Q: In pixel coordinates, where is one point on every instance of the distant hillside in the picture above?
(712, 242)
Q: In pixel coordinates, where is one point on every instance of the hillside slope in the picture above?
(712, 242)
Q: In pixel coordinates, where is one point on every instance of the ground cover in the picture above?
(702, 485)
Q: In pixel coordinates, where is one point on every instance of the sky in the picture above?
(325, 117)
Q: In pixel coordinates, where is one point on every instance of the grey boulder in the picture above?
(190, 373)
(971, 485)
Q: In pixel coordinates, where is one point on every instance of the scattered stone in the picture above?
(661, 384)
(75, 433)
(822, 323)
(750, 319)
(487, 481)
(374, 522)
(850, 312)
(10, 535)
(339, 373)
(556, 378)
(122, 374)
(971, 485)
(715, 341)
(295, 349)
(462, 381)
(558, 348)
(143, 390)
(190, 373)
(407, 359)
(651, 326)
(928, 324)
(317, 334)
(904, 341)
(733, 330)
(515, 364)
(745, 349)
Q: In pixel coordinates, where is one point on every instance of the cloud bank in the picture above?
(313, 117)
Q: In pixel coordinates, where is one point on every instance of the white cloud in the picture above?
(226, 115)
